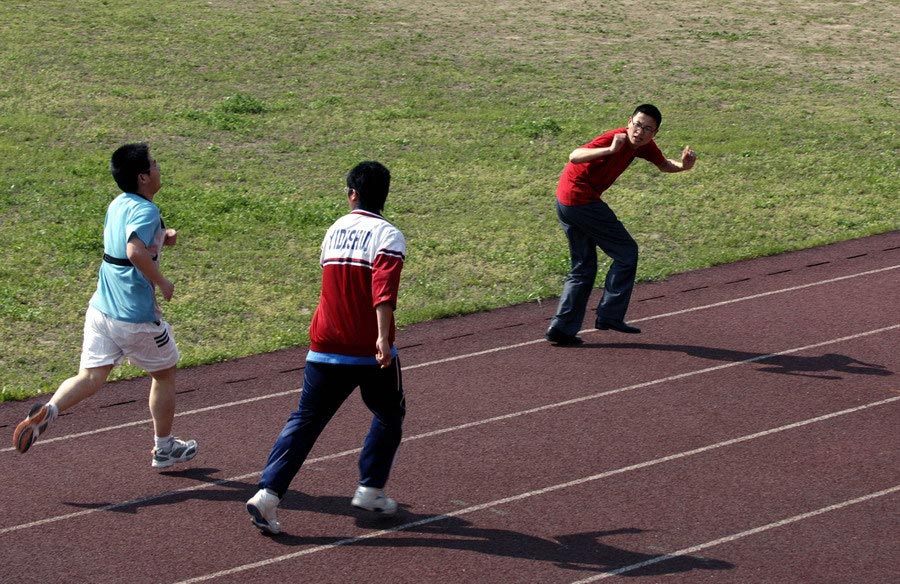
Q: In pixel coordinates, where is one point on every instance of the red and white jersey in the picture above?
(362, 256)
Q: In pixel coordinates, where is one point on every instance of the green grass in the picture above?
(256, 112)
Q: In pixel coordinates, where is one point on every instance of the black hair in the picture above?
(650, 110)
(372, 181)
(127, 162)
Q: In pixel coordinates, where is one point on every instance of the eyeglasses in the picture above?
(642, 127)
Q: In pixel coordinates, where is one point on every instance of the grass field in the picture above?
(256, 111)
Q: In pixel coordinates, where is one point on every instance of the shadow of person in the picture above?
(235, 490)
(583, 552)
(631, 563)
(580, 551)
(805, 366)
(827, 362)
(232, 490)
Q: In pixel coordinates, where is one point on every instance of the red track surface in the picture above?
(749, 435)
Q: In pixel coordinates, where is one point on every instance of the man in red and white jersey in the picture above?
(351, 345)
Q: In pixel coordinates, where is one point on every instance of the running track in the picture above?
(750, 434)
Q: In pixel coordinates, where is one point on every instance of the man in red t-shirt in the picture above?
(351, 345)
(589, 223)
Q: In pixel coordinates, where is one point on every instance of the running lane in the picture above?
(753, 423)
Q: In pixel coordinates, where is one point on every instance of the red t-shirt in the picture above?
(584, 183)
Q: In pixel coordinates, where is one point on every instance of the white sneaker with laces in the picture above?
(180, 451)
(261, 507)
(372, 499)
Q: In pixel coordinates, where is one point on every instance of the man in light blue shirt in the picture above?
(123, 292)
(123, 319)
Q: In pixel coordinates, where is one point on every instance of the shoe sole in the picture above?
(606, 327)
(566, 342)
(256, 517)
(24, 435)
(379, 510)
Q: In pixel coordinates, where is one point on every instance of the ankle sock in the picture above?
(52, 412)
(164, 443)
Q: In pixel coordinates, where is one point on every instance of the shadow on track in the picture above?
(579, 551)
(799, 365)
(583, 552)
(231, 492)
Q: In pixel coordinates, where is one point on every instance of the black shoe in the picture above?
(563, 340)
(616, 325)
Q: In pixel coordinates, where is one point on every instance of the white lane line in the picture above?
(742, 534)
(764, 294)
(456, 428)
(447, 359)
(648, 384)
(149, 421)
(535, 493)
(664, 315)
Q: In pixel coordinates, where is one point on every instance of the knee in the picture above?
(632, 249)
(164, 374)
(392, 424)
(630, 255)
(584, 271)
(94, 377)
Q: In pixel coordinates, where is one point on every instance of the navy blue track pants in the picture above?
(325, 388)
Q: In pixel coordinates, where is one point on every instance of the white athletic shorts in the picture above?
(107, 341)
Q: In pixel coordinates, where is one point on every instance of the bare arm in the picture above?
(142, 259)
(581, 155)
(688, 158)
(384, 313)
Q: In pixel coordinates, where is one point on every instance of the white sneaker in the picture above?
(372, 499)
(261, 507)
(180, 451)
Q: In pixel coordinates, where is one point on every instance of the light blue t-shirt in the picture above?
(122, 291)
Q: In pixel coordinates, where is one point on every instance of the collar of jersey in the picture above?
(366, 213)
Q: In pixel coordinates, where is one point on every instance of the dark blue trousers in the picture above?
(325, 387)
(588, 227)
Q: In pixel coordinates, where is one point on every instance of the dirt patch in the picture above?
(835, 39)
